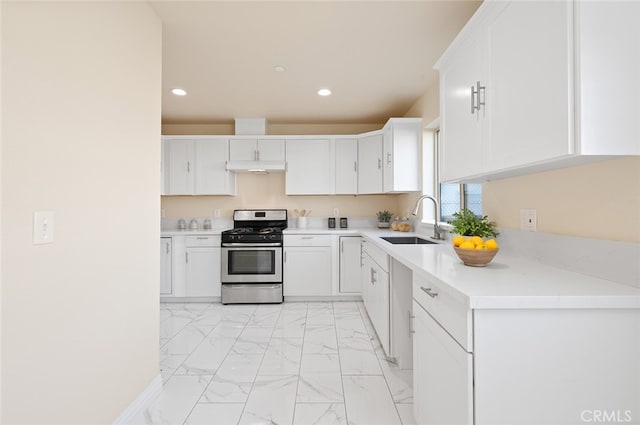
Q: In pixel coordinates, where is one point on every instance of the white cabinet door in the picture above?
(350, 265)
(165, 266)
(346, 166)
(307, 271)
(370, 164)
(203, 272)
(609, 65)
(181, 166)
(211, 175)
(243, 149)
(460, 134)
(401, 158)
(380, 305)
(529, 88)
(442, 375)
(271, 150)
(309, 167)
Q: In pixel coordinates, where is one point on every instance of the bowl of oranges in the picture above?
(472, 243)
(474, 251)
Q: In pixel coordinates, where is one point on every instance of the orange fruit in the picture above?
(491, 244)
(477, 240)
(467, 245)
(458, 240)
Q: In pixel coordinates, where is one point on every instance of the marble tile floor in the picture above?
(292, 363)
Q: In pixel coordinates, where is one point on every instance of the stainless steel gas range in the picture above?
(251, 262)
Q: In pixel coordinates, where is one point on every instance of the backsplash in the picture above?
(612, 260)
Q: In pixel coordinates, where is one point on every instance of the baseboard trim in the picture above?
(141, 402)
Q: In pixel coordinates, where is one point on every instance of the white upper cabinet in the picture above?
(179, 166)
(241, 149)
(461, 125)
(211, 175)
(346, 166)
(526, 87)
(401, 159)
(309, 167)
(608, 42)
(196, 166)
(370, 163)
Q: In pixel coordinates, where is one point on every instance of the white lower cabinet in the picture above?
(545, 366)
(350, 265)
(194, 267)
(375, 291)
(203, 272)
(442, 374)
(308, 269)
(165, 267)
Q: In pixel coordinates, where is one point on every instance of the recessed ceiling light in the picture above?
(179, 92)
(324, 92)
(279, 68)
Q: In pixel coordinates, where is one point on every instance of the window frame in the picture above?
(431, 175)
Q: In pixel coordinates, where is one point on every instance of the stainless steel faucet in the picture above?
(437, 234)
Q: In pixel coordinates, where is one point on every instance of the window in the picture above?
(452, 197)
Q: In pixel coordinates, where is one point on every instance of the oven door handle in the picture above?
(250, 245)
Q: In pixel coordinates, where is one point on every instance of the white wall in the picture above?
(81, 114)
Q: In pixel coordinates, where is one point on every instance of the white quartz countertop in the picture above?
(187, 232)
(509, 281)
(320, 231)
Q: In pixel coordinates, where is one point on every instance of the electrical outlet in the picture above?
(163, 213)
(336, 212)
(43, 227)
(528, 220)
(217, 212)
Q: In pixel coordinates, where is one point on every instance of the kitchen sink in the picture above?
(408, 240)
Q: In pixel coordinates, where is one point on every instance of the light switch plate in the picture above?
(528, 220)
(43, 223)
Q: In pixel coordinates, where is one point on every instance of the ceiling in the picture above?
(375, 56)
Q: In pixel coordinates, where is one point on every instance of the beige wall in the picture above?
(600, 200)
(267, 191)
(81, 114)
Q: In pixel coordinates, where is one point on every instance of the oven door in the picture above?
(251, 263)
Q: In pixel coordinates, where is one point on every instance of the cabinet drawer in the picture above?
(445, 307)
(378, 255)
(307, 240)
(195, 241)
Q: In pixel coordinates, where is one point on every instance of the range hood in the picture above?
(256, 166)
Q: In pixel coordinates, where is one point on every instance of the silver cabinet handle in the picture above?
(411, 317)
(186, 257)
(188, 166)
(388, 157)
(481, 91)
(255, 154)
(379, 163)
(168, 249)
(355, 166)
(473, 100)
(373, 277)
(285, 256)
(307, 237)
(478, 94)
(429, 292)
(202, 237)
